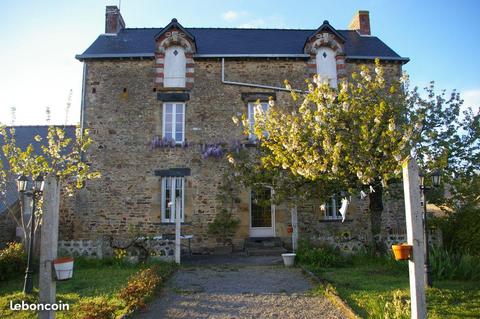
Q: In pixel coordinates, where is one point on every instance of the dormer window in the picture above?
(175, 67)
(327, 66)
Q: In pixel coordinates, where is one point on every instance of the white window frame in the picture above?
(331, 70)
(334, 206)
(251, 117)
(174, 122)
(175, 68)
(173, 185)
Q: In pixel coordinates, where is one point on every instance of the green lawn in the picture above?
(369, 286)
(91, 278)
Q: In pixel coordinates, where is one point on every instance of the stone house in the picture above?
(155, 98)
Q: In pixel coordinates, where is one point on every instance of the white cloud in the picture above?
(243, 19)
(231, 15)
(471, 98)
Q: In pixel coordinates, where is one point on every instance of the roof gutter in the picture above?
(219, 55)
(384, 58)
(82, 57)
(261, 86)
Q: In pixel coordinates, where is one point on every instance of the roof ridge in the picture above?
(233, 28)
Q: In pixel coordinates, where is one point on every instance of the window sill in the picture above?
(172, 88)
(335, 220)
(173, 223)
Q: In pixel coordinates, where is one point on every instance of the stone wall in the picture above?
(351, 235)
(102, 248)
(123, 115)
(7, 228)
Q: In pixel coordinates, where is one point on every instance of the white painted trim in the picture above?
(173, 186)
(175, 67)
(261, 231)
(174, 124)
(327, 67)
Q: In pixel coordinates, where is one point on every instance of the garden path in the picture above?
(240, 291)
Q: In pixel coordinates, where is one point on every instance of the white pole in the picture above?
(177, 228)
(295, 228)
(48, 245)
(414, 219)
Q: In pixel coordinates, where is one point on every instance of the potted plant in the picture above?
(63, 268)
(402, 251)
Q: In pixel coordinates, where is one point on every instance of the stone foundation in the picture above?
(157, 248)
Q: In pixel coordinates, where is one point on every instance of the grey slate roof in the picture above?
(24, 136)
(231, 41)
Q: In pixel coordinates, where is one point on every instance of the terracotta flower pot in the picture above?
(402, 251)
(289, 229)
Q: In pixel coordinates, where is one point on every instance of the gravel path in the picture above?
(240, 292)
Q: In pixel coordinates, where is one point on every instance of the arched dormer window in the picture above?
(327, 65)
(175, 67)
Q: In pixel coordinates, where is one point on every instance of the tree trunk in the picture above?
(376, 209)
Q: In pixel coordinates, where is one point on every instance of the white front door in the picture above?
(262, 214)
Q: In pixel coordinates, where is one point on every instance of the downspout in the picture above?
(83, 104)
(83, 98)
(253, 84)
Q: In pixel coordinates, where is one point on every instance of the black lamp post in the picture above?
(35, 192)
(436, 176)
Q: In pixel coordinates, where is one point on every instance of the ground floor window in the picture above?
(332, 207)
(173, 194)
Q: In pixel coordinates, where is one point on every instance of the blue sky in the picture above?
(40, 38)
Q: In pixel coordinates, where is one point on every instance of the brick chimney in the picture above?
(361, 22)
(113, 20)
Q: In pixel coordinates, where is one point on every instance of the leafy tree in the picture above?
(358, 134)
(59, 156)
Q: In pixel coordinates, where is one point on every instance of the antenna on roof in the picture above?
(119, 4)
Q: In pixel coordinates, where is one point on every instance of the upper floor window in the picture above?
(174, 67)
(251, 116)
(327, 65)
(174, 122)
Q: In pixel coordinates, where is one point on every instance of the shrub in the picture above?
(12, 261)
(95, 308)
(322, 256)
(224, 226)
(446, 264)
(461, 229)
(140, 288)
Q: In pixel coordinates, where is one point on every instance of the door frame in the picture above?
(261, 231)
